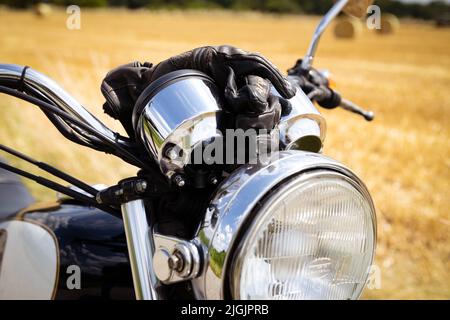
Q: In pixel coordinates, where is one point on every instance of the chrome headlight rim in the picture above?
(236, 197)
(253, 221)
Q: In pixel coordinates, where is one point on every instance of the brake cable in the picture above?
(62, 189)
(119, 150)
(52, 170)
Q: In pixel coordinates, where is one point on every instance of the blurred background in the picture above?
(401, 72)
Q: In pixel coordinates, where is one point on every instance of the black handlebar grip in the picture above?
(331, 99)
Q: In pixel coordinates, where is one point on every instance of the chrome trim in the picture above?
(3, 237)
(177, 118)
(326, 20)
(49, 89)
(236, 266)
(163, 262)
(301, 120)
(140, 249)
(61, 196)
(233, 202)
(176, 259)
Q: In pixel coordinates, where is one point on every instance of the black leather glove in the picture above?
(217, 61)
(243, 76)
(253, 104)
(121, 88)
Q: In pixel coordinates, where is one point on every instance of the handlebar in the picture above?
(43, 87)
(352, 107)
(318, 90)
(67, 115)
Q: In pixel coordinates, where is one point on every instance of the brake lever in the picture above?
(352, 107)
(330, 99)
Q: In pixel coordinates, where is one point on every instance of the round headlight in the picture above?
(301, 226)
(313, 238)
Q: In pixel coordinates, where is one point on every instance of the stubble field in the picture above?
(403, 156)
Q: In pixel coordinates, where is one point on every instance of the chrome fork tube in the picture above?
(140, 249)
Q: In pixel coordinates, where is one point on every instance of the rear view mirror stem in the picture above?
(324, 23)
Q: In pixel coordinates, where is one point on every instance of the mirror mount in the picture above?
(324, 23)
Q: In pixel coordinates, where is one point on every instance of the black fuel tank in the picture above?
(94, 241)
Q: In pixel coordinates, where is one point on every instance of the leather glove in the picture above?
(253, 104)
(238, 73)
(217, 61)
(121, 87)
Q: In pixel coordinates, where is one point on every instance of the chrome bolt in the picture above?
(213, 180)
(175, 262)
(141, 186)
(179, 181)
(166, 263)
(172, 153)
(184, 254)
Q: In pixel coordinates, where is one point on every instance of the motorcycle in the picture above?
(291, 225)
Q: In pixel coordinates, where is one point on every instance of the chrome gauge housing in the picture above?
(181, 112)
(175, 114)
(301, 126)
(302, 226)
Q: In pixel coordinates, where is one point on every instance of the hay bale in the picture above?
(42, 10)
(389, 24)
(357, 8)
(347, 28)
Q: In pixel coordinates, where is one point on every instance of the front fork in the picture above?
(140, 249)
(174, 260)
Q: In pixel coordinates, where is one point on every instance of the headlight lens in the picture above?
(313, 238)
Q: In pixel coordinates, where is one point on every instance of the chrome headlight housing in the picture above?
(300, 227)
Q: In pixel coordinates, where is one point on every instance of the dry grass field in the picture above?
(403, 155)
